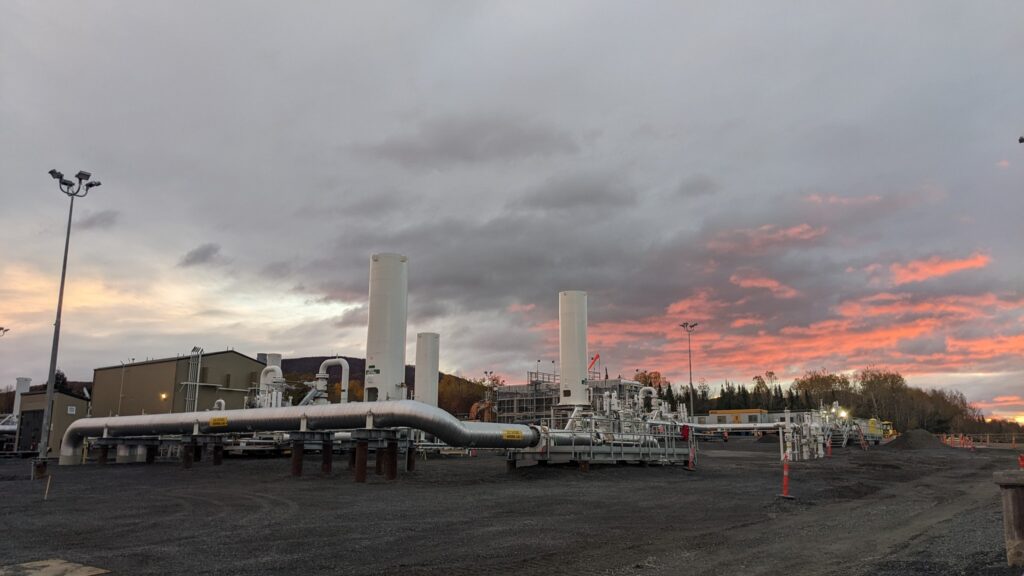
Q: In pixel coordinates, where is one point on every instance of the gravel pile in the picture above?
(916, 439)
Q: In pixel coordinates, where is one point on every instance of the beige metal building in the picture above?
(158, 386)
(66, 409)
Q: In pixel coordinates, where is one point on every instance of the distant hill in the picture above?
(455, 394)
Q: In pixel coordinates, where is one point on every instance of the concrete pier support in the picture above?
(378, 461)
(199, 452)
(1012, 484)
(410, 458)
(391, 461)
(361, 454)
(327, 456)
(510, 466)
(298, 452)
(188, 453)
(218, 454)
(104, 454)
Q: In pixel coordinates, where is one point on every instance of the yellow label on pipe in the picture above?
(512, 434)
(218, 422)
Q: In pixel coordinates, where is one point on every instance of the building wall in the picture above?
(230, 372)
(143, 384)
(232, 375)
(61, 418)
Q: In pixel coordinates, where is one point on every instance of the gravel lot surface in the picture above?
(881, 512)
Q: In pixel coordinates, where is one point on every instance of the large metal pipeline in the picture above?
(386, 414)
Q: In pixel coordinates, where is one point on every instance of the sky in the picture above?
(819, 185)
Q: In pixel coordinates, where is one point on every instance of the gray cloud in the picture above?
(202, 254)
(98, 220)
(924, 346)
(697, 185)
(438, 142)
(511, 162)
(579, 192)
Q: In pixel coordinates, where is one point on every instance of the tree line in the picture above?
(868, 393)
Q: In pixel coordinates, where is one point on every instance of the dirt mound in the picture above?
(916, 439)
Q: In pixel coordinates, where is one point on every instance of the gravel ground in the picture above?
(881, 512)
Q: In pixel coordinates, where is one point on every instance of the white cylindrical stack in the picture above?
(385, 337)
(22, 387)
(572, 347)
(274, 360)
(428, 346)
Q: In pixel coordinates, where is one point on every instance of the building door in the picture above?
(30, 428)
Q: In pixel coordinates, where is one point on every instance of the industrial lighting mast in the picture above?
(689, 327)
(81, 191)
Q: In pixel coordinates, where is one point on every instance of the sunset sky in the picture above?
(819, 185)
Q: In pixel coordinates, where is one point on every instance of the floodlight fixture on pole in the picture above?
(71, 191)
(689, 327)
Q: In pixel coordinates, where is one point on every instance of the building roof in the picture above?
(176, 358)
(34, 392)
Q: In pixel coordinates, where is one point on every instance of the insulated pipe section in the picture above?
(395, 413)
(428, 346)
(321, 377)
(643, 394)
(265, 375)
(572, 347)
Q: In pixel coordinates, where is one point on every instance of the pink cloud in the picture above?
(746, 321)
(842, 200)
(935, 267)
(732, 241)
(751, 279)
(1004, 164)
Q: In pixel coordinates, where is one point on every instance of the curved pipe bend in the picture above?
(386, 414)
(322, 375)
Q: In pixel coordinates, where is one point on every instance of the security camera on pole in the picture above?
(69, 188)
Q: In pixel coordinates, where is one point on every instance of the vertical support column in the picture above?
(188, 452)
(352, 459)
(410, 458)
(150, 454)
(510, 465)
(327, 451)
(1012, 484)
(298, 452)
(104, 454)
(360, 460)
(378, 461)
(391, 460)
(218, 454)
(199, 451)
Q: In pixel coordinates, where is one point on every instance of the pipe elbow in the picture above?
(276, 370)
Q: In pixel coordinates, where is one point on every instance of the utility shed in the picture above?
(159, 386)
(66, 409)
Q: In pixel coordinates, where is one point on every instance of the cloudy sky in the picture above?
(819, 185)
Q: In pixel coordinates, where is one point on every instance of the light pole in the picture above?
(120, 395)
(81, 191)
(689, 327)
